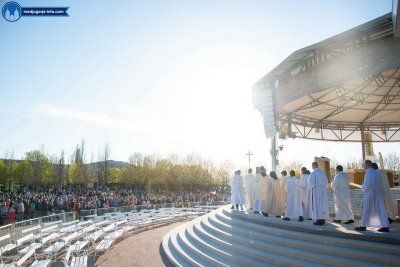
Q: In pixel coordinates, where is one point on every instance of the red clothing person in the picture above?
(11, 213)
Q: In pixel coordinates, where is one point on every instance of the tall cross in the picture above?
(249, 154)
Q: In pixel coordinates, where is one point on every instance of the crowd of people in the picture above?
(306, 198)
(25, 204)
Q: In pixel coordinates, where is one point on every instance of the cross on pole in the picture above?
(249, 154)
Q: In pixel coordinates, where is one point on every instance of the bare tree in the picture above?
(392, 162)
(104, 158)
(9, 167)
(61, 169)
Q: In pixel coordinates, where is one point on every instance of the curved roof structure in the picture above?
(341, 87)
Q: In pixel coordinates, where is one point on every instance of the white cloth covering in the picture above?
(387, 196)
(257, 186)
(293, 199)
(283, 180)
(306, 196)
(237, 193)
(341, 191)
(259, 192)
(373, 212)
(318, 182)
(258, 200)
(249, 183)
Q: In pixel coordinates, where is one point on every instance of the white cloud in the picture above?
(100, 119)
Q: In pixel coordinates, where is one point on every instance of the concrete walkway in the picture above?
(141, 249)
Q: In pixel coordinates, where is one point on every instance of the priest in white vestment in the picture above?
(318, 182)
(258, 205)
(341, 192)
(249, 184)
(265, 192)
(293, 209)
(283, 182)
(275, 196)
(306, 197)
(386, 194)
(373, 211)
(237, 191)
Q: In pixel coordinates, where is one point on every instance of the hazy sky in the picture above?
(160, 76)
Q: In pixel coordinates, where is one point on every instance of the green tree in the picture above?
(76, 173)
(114, 176)
(3, 175)
(23, 172)
(41, 166)
(77, 169)
(129, 176)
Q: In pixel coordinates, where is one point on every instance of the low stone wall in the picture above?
(356, 196)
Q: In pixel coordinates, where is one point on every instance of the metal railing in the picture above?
(15, 229)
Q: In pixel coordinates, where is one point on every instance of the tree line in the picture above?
(142, 171)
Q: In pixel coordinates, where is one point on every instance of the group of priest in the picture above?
(291, 198)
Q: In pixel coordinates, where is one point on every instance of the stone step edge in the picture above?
(318, 230)
(296, 253)
(165, 243)
(328, 252)
(199, 253)
(338, 241)
(261, 255)
(241, 259)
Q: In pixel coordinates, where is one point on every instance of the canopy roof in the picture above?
(340, 87)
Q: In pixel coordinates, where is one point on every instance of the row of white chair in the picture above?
(101, 232)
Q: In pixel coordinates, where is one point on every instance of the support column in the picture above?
(363, 143)
(273, 153)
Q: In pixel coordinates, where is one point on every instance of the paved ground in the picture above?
(330, 228)
(142, 249)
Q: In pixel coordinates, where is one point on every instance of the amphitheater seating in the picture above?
(94, 237)
(9, 245)
(76, 237)
(54, 249)
(22, 241)
(19, 262)
(79, 260)
(79, 246)
(42, 242)
(41, 263)
(48, 230)
(69, 238)
(103, 246)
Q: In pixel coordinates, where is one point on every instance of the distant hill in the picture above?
(111, 163)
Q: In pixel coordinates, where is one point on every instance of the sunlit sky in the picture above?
(160, 76)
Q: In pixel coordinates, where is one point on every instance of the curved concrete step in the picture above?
(313, 243)
(213, 248)
(212, 259)
(326, 230)
(170, 251)
(221, 238)
(227, 217)
(294, 249)
(265, 256)
(174, 251)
